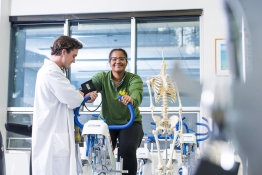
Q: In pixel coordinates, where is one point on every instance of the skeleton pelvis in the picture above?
(173, 120)
(160, 123)
(157, 120)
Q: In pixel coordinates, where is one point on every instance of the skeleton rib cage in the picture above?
(165, 90)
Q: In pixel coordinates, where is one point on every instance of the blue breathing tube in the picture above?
(111, 127)
(76, 112)
(207, 134)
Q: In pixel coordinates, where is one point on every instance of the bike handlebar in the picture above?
(112, 127)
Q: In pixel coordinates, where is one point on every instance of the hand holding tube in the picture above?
(126, 99)
(93, 95)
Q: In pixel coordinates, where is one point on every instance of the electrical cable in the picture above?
(94, 109)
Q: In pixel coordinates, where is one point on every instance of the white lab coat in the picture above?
(53, 143)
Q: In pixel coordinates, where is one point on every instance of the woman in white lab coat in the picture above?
(53, 145)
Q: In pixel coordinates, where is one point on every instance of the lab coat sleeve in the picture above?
(60, 86)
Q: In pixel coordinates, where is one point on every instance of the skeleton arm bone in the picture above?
(152, 107)
(180, 109)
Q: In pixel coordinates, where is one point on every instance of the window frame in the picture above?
(67, 19)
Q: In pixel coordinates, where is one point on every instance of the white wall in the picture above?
(90, 6)
(4, 60)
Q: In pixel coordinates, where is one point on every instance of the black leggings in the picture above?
(129, 140)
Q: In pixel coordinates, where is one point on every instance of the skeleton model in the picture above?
(165, 90)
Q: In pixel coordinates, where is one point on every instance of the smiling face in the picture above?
(68, 58)
(118, 61)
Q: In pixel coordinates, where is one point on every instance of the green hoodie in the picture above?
(113, 111)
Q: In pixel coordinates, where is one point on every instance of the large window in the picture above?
(30, 46)
(98, 38)
(174, 38)
(18, 141)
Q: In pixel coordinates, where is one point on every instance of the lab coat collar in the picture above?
(51, 63)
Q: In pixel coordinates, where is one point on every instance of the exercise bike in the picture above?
(98, 156)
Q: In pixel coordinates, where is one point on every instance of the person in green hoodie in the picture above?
(115, 112)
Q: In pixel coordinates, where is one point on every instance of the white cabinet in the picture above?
(17, 162)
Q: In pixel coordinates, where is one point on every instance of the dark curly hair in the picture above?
(65, 42)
